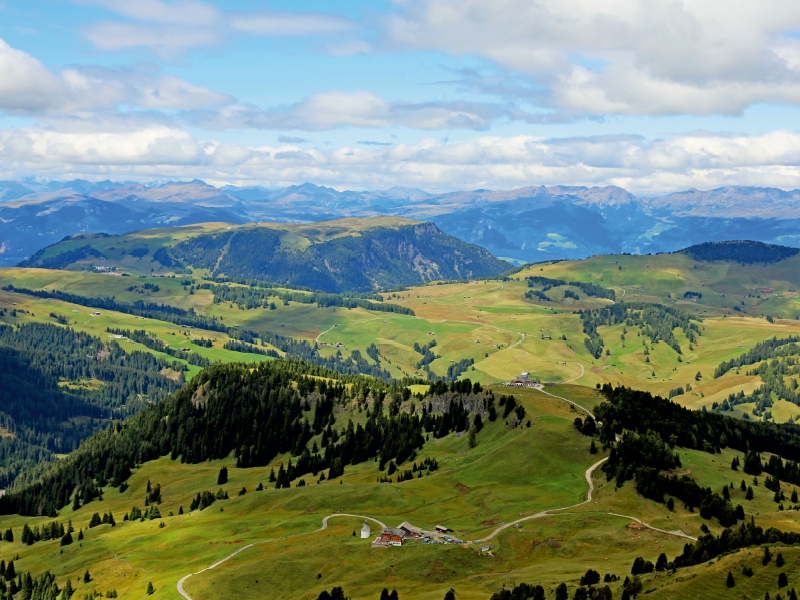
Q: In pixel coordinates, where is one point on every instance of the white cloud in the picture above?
(183, 12)
(334, 109)
(27, 87)
(155, 150)
(276, 23)
(694, 57)
(171, 28)
(165, 39)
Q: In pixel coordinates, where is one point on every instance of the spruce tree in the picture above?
(9, 573)
(222, 478)
(67, 539)
(730, 582)
(150, 589)
(783, 581)
(779, 560)
(86, 577)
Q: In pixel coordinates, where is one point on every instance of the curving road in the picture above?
(575, 404)
(583, 371)
(545, 513)
(182, 591)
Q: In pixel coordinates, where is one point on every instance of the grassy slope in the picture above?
(510, 472)
(485, 322)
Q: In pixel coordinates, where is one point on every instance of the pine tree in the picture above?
(779, 560)
(8, 536)
(222, 478)
(150, 589)
(86, 577)
(80, 535)
(95, 520)
(450, 595)
(592, 448)
(730, 582)
(180, 510)
(67, 539)
(749, 495)
(661, 562)
(9, 573)
(783, 581)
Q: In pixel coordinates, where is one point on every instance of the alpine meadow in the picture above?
(430, 300)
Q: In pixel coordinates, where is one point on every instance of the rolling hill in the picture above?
(528, 224)
(351, 255)
(542, 493)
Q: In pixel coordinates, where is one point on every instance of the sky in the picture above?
(650, 95)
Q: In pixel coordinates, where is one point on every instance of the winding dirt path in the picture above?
(575, 404)
(545, 513)
(583, 372)
(182, 591)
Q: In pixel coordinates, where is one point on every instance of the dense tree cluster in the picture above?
(656, 321)
(761, 351)
(35, 358)
(139, 308)
(59, 261)
(238, 346)
(257, 413)
(650, 427)
(745, 252)
(257, 297)
(590, 289)
(149, 340)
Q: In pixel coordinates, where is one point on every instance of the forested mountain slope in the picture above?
(58, 385)
(258, 413)
(353, 255)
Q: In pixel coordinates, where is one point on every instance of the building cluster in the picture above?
(395, 536)
(524, 380)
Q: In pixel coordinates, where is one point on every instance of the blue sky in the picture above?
(440, 94)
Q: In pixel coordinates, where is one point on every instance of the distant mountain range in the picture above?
(525, 225)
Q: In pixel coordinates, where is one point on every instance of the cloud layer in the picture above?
(159, 151)
(644, 57)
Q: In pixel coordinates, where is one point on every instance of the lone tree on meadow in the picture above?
(222, 478)
(730, 582)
